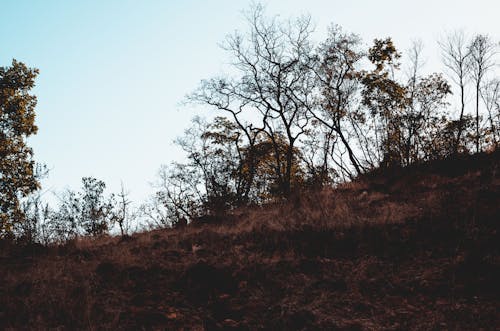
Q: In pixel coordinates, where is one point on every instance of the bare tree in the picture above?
(455, 55)
(122, 215)
(273, 89)
(422, 118)
(338, 81)
(413, 114)
(481, 50)
(179, 196)
(35, 227)
(490, 93)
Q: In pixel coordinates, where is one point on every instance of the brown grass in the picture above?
(405, 249)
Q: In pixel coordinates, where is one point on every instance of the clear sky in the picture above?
(114, 72)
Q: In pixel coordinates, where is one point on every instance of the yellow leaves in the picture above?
(17, 117)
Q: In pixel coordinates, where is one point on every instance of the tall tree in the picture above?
(17, 122)
(482, 50)
(273, 86)
(338, 80)
(455, 54)
(422, 118)
(412, 116)
(385, 98)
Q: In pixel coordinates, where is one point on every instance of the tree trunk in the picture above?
(460, 121)
(477, 116)
(352, 158)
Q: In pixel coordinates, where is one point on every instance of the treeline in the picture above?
(292, 115)
(295, 115)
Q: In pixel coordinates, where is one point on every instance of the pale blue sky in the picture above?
(113, 72)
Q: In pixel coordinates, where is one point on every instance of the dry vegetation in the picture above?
(401, 249)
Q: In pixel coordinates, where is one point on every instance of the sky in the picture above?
(114, 73)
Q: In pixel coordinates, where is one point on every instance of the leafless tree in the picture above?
(482, 51)
(122, 214)
(490, 93)
(413, 73)
(455, 55)
(178, 196)
(35, 228)
(422, 118)
(273, 89)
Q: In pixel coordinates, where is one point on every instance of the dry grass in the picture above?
(412, 250)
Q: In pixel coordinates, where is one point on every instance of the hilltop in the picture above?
(398, 249)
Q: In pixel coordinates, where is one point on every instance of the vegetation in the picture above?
(335, 189)
(411, 248)
(294, 116)
(17, 122)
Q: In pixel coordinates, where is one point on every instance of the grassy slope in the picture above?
(397, 250)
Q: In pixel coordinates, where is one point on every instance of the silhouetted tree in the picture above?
(95, 208)
(214, 154)
(87, 212)
(178, 196)
(300, 115)
(64, 222)
(274, 85)
(456, 53)
(424, 119)
(481, 50)
(35, 227)
(424, 116)
(338, 81)
(490, 94)
(122, 214)
(385, 98)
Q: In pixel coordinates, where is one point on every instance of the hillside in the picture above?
(399, 249)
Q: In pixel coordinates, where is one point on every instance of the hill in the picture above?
(398, 249)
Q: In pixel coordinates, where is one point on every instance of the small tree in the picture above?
(95, 208)
(87, 212)
(36, 225)
(64, 223)
(178, 196)
(122, 215)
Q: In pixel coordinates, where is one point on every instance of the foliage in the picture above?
(294, 114)
(17, 122)
(87, 212)
(95, 209)
(302, 116)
